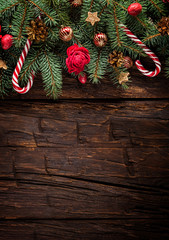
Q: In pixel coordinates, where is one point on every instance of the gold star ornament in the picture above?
(3, 65)
(123, 77)
(92, 18)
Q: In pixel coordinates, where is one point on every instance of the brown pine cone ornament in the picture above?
(37, 31)
(66, 34)
(116, 59)
(163, 26)
(100, 39)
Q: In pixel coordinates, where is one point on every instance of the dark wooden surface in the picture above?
(92, 165)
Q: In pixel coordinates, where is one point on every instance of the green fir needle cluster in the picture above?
(48, 57)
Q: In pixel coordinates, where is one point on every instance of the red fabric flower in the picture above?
(78, 57)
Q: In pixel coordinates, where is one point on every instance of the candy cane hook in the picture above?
(147, 51)
(18, 69)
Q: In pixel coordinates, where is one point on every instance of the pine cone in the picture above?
(37, 30)
(116, 58)
(163, 26)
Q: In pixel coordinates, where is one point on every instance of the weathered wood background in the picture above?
(92, 165)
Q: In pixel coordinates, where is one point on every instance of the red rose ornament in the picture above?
(78, 57)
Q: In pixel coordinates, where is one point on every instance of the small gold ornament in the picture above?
(116, 59)
(76, 3)
(3, 65)
(92, 18)
(37, 31)
(123, 77)
(163, 26)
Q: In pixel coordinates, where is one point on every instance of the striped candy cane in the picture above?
(18, 69)
(147, 51)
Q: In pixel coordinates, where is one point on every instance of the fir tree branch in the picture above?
(6, 9)
(116, 26)
(151, 37)
(97, 66)
(156, 6)
(41, 10)
(22, 22)
(30, 65)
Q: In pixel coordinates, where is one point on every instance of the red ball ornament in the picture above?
(66, 34)
(134, 9)
(7, 41)
(82, 77)
(127, 62)
(100, 39)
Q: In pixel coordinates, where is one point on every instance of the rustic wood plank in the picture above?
(140, 87)
(86, 230)
(42, 196)
(89, 125)
(140, 168)
(84, 160)
(84, 183)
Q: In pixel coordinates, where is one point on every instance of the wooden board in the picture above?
(80, 169)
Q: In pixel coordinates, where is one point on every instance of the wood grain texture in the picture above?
(85, 229)
(86, 167)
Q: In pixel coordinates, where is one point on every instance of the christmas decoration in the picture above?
(123, 77)
(76, 3)
(78, 57)
(92, 18)
(100, 39)
(66, 34)
(163, 26)
(116, 59)
(82, 77)
(18, 69)
(7, 41)
(134, 9)
(147, 51)
(37, 31)
(127, 62)
(87, 38)
(3, 65)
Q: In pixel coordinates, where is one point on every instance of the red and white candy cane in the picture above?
(147, 51)
(18, 69)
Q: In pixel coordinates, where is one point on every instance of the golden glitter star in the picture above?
(123, 77)
(92, 18)
(3, 65)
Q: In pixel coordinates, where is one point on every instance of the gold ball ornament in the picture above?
(100, 39)
(76, 3)
(66, 34)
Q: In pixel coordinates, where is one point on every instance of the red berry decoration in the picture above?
(66, 34)
(82, 77)
(6, 41)
(134, 9)
(100, 39)
(127, 62)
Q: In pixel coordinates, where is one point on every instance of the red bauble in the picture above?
(134, 9)
(127, 62)
(66, 34)
(6, 41)
(100, 39)
(82, 77)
